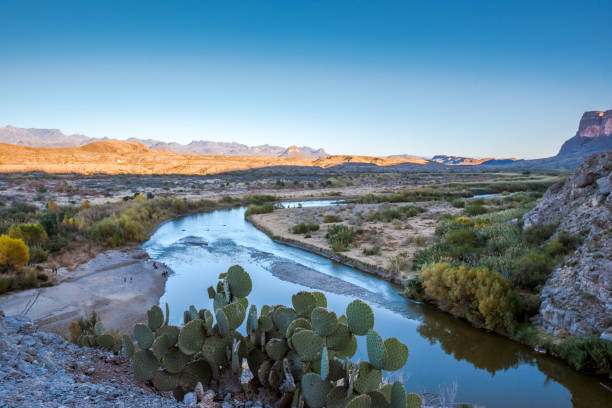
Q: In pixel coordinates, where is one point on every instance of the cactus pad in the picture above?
(255, 358)
(144, 364)
(303, 303)
(336, 398)
(398, 395)
(213, 350)
(360, 401)
(219, 301)
(307, 344)
(378, 399)
(98, 329)
(350, 349)
(276, 349)
(171, 331)
(300, 322)
(360, 317)
(105, 341)
(324, 364)
(282, 317)
(252, 319)
(340, 338)
(369, 378)
(413, 400)
(235, 313)
(264, 371)
(143, 335)
(315, 390)
(161, 345)
(323, 321)
(397, 354)
(191, 337)
(164, 381)
(223, 323)
(376, 349)
(211, 292)
(127, 345)
(320, 298)
(206, 317)
(239, 281)
(175, 360)
(195, 372)
(155, 317)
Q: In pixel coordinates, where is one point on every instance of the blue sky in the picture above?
(358, 77)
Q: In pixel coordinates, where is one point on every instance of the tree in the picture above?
(13, 251)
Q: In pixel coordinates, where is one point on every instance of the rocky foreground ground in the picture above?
(39, 369)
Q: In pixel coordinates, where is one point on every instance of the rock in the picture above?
(578, 296)
(190, 399)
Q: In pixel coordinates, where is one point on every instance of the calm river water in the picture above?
(446, 354)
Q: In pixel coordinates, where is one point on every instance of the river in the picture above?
(447, 355)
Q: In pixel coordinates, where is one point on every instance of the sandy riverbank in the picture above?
(120, 285)
(404, 238)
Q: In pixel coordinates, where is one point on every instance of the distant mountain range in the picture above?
(594, 135)
(55, 138)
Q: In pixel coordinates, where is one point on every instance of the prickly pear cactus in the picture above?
(301, 352)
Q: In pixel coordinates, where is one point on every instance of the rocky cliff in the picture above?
(594, 135)
(578, 296)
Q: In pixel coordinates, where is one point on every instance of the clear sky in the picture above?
(360, 77)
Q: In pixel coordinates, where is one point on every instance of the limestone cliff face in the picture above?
(578, 296)
(594, 134)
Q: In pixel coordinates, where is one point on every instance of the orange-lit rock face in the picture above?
(595, 124)
(119, 157)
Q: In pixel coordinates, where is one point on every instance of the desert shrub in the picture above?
(38, 255)
(591, 354)
(259, 199)
(531, 270)
(482, 222)
(331, 218)
(340, 237)
(6, 284)
(398, 263)
(475, 209)
(432, 254)
(13, 252)
(413, 288)
(537, 234)
(115, 232)
(458, 203)
(420, 241)
(482, 296)
(373, 250)
(303, 228)
(461, 237)
(465, 221)
(56, 244)
(259, 209)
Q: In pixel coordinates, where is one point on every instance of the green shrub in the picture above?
(331, 218)
(420, 241)
(461, 237)
(259, 209)
(531, 270)
(475, 209)
(303, 228)
(591, 354)
(38, 255)
(340, 237)
(458, 203)
(373, 250)
(537, 234)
